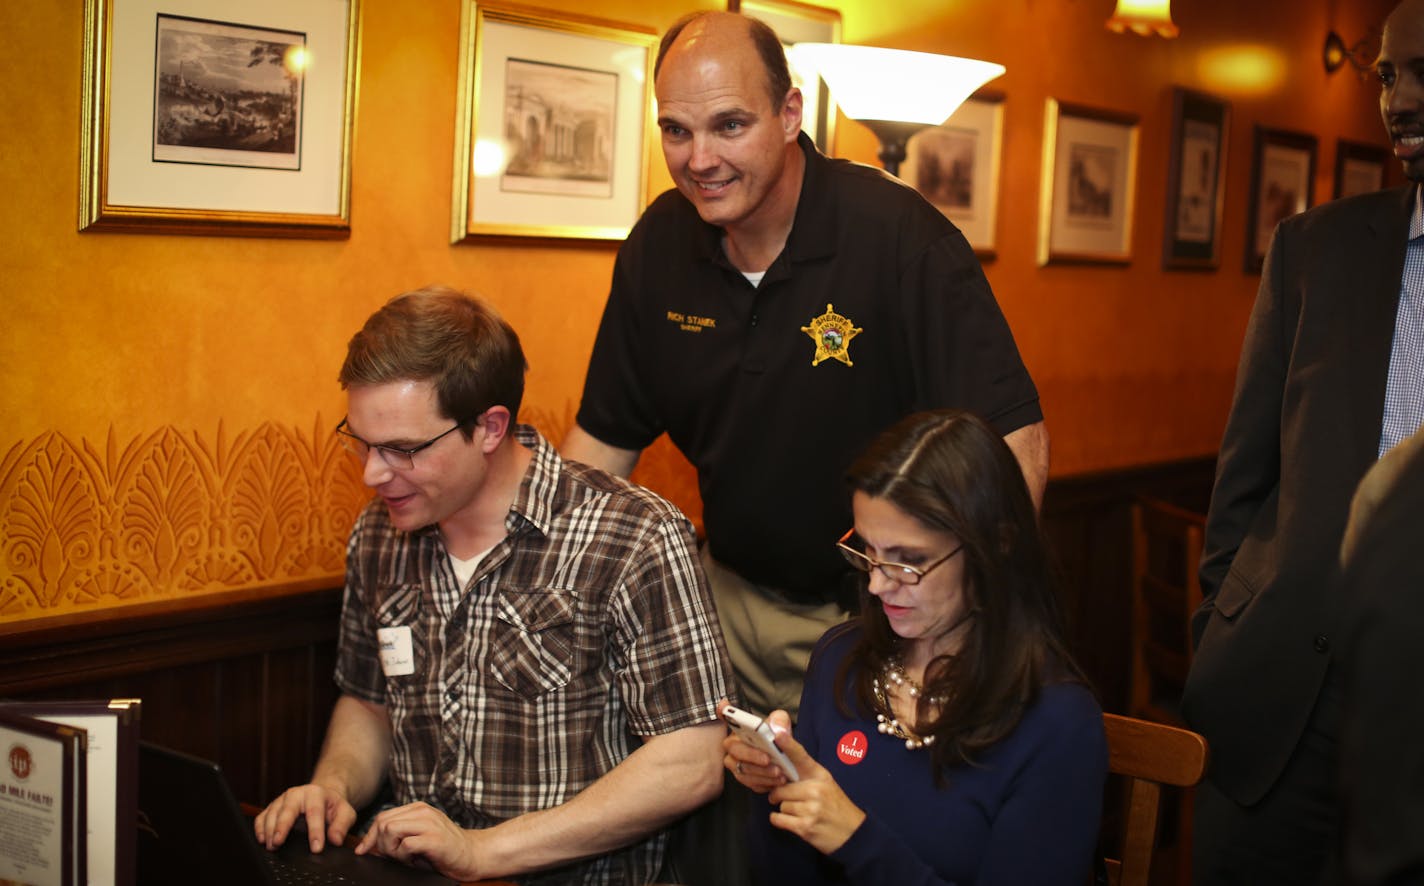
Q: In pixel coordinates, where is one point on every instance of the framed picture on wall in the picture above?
(803, 23)
(1359, 168)
(204, 118)
(553, 124)
(956, 167)
(1196, 180)
(1282, 172)
(1089, 175)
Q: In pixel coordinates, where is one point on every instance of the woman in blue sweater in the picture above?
(945, 735)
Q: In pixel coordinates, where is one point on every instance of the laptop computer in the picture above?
(191, 830)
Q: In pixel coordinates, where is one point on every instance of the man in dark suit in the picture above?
(1381, 752)
(1329, 380)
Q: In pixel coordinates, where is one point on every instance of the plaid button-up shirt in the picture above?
(589, 625)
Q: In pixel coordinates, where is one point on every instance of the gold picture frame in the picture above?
(956, 167)
(796, 23)
(1089, 185)
(553, 124)
(170, 145)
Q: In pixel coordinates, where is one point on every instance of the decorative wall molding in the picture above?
(173, 514)
(169, 514)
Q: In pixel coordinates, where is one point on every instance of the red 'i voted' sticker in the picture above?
(851, 747)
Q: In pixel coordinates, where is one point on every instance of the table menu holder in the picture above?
(43, 793)
(111, 789)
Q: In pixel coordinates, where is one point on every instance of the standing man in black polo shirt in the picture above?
(772, 314)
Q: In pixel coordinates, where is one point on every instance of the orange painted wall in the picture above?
(1135, 364)
(166, 400)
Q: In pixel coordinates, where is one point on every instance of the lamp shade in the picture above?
(1144, 17)
(872, 83)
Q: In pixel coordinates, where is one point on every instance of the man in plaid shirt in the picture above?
(511, 623)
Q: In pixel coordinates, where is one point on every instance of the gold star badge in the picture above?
(832, 334)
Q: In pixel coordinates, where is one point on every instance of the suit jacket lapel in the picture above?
(1373, 305)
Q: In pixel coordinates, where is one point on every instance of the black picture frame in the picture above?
(1282, 185)
(1359, 168)
(1196, 181)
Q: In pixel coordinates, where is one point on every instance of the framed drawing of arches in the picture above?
(553, 126)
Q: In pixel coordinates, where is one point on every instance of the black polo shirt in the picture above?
(876, 308)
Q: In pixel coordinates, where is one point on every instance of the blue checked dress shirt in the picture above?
(1404, 393)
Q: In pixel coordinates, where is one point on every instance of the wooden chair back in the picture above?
(1166, 553)
(1148, 755)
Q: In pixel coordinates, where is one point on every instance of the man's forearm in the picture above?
(580, 445)
(1030, 446)
(669, 776)
(356, 751)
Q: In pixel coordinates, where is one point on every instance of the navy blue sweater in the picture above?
(1028, 813)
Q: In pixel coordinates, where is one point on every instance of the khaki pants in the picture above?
(769, 639)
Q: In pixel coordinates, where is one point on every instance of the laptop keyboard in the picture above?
(286, 873)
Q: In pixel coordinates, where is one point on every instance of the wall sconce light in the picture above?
(1144, 18)
(1336, 54)
(894, 92)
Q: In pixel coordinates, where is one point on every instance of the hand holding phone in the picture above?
(758, 733)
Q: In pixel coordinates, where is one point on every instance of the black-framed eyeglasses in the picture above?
(897, 572)
(394, 456)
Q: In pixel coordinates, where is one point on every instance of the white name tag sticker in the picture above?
(397, 657)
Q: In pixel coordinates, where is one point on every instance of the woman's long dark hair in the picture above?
(952, 472)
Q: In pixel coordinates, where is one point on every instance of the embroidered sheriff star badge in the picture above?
(832, 334)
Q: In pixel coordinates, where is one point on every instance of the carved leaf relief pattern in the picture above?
(169, 514)
(158, 506)
(52, 523)
(172, 514)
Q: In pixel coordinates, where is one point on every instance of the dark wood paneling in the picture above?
(243, 679)
(1087, 520)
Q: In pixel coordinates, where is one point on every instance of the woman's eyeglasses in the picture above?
(897, 572)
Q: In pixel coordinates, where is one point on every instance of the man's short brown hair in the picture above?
(451, 339)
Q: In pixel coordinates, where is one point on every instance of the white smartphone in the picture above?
(758, 733)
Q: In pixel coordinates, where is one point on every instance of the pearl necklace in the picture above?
(891, 679)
